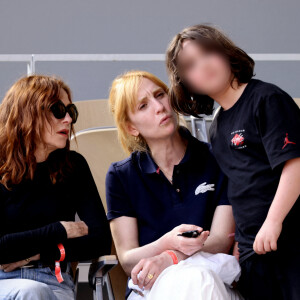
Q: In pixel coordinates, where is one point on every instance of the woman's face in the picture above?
(202, 71)
(56, 132)
(153, 117)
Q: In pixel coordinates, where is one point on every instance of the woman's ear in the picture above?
(131, 129)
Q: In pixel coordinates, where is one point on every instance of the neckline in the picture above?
(41, 165)
(240, 99)
(147, 162)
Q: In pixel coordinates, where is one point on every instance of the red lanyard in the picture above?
(57, 263)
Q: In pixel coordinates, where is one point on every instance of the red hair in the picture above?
(23, 113)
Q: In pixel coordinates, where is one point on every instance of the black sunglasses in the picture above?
(59, 111)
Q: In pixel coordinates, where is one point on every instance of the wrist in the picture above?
(167, 258)
(163, 243)
(173, 256)
(273, 220)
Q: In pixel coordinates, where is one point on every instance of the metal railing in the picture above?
(32, 59)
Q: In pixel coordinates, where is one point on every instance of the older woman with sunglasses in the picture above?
(42, 186)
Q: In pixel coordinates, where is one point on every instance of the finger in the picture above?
(189, 246)
(5, 266)
(274, 245)
(194, 241)
(255, 247)
(188, 227)
(198, 243)
(11, 267)
(267, 246)
(204, 235)
(85, 229)
(260, 247)
(147, 279)
(135, 271)
(7, 269)
(148, 285)
(142, 276)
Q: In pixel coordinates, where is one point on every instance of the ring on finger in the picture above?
(150, 276)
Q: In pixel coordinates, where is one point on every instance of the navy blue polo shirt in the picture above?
(135, 187)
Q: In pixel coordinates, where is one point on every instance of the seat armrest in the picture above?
(101, 266)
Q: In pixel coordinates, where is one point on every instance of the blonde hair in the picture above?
(123, 97)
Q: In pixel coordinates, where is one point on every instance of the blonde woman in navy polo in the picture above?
(170, 179)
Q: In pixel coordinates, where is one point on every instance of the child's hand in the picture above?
(266, 238)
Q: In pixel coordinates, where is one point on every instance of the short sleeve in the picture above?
(118, 202)
(279, 125)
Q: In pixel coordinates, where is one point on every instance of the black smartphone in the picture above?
(190, 234)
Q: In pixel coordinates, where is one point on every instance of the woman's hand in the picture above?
(266, 238)
(75, 229)
(12, 266)
(188, 246)
(152, 266)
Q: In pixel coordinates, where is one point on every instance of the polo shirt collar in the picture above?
(148, 165)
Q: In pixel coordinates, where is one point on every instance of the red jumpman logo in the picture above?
(286, 141)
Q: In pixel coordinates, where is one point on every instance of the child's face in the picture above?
(204, 72)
